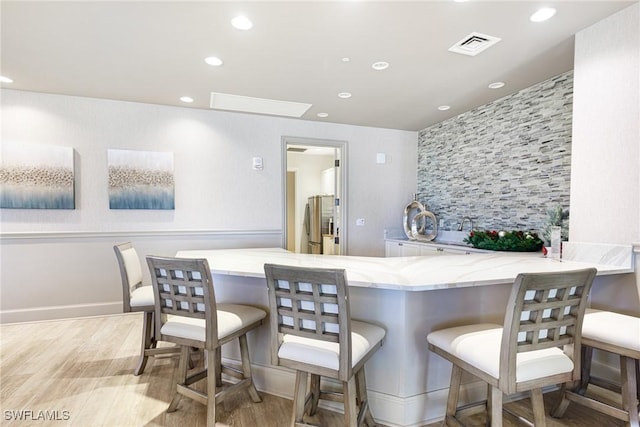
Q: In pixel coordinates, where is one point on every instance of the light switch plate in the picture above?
(257, 163)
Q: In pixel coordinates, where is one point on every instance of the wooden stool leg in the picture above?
(496, 407)
(585, 370)
(488, 422)
(350, 409)
(299, 397)
(315, 393)
(579, 387)
(179, 377)
(218, 362)
(153, 342)
(147, 341)
(629, 389)
(193, 351)
(246, 368)
(454, 392)
(539, 416)
(213, 371)
(638, 377)
(563, 403)
(363, 399)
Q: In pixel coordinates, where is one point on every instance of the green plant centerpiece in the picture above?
(514, 241)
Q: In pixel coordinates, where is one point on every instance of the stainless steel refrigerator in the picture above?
(318, 221)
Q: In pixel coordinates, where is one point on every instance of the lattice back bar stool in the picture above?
(312, 332)
(137, 297)
(618, 334)
(187, 314)
(538, 344)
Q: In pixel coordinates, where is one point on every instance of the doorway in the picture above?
(314, 168)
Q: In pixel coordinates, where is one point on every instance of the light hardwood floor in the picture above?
(80, 372)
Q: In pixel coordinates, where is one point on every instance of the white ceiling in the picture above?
(153, 52)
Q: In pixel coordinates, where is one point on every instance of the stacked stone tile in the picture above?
(502, 164)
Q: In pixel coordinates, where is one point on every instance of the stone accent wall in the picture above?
(503, 164)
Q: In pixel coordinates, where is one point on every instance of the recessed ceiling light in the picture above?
(460, 1)
(241, 22)
(542, 14)
(4, 79)
(323, 115)
(444, 107)
(186, 99)
(380, 65)
(346, 59)
(213, 61)
(344, 95)
(496, 85)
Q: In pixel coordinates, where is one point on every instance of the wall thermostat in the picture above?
(257, 163)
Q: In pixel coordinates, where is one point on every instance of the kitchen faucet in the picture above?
(462, 223)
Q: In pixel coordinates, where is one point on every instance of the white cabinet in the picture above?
(427, 250)
(393, 248)
(456, 251)
(411, 248)
(328, 245)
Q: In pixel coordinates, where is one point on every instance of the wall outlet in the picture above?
(360, 222)
(441, 223)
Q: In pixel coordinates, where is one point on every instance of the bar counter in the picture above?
(409, 297)
(420, 273)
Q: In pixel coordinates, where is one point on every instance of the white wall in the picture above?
(605, 173)
(217, 192)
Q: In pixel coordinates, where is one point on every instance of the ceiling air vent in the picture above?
(474, 43)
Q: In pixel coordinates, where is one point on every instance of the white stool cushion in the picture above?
(142, 296)
(479, 345)
(612, 328)
(364, 336)
(231, 318)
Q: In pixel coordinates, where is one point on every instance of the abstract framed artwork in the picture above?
(36, 176)
(140, 180)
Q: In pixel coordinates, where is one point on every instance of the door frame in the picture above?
(341, 177)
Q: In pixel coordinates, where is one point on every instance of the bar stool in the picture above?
(617, 334)
(543, 320)
(187, 314)
(312, 332)
(138, 298)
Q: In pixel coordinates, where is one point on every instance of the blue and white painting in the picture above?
(35, 176)
(140, 180)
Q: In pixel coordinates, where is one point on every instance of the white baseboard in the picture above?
(392, 411)
(38, 314)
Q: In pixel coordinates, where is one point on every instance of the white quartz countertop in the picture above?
(399, 273)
